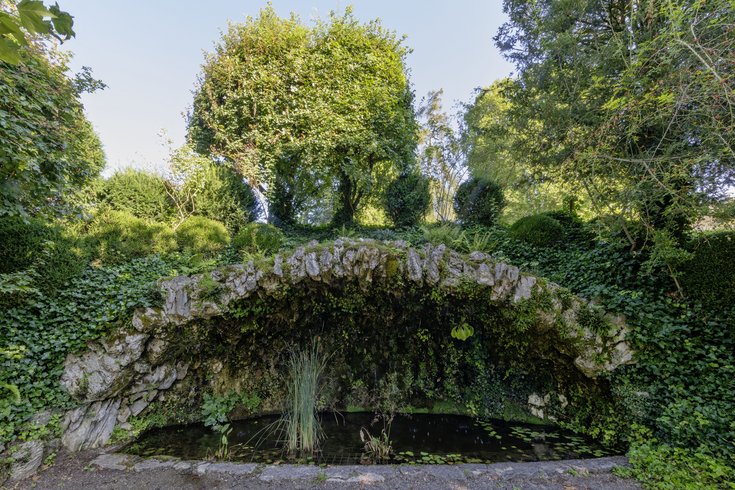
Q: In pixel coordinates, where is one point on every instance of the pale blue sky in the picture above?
(149, 53)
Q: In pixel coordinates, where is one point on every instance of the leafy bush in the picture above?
(407, 199)
(117, 236)
(203, 236)
(139, 193)
(259, 237)
(53, 254)
(661, 466)
(479, 202)
(219, 193)
(709, 276)
(538, 229)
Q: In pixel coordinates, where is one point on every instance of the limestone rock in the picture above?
(95, 374)
(26, 460)
(415, 268)
(90, 426)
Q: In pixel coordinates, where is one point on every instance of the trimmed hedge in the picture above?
(538, 229)
(259, 237)
(118, 236)
(203, 236)
(709, 276)
(479, 202)
(407, 200)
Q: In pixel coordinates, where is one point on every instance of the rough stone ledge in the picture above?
(366, 474)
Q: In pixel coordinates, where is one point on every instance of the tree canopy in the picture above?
(631, 101)
(49, 148)
(321, 117)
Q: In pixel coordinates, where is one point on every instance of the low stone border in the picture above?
(365, 474)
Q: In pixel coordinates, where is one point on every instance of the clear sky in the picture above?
(149, 52)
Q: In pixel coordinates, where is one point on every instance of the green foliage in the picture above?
(479, 202)
(683, 379)
(660, 466)
(139, 193)
(282, 117)
(26, 19)
(709, 276)
(407, 199)
(202, 236)
(118, 236)
(612, 108)
(259, 237)
(449, 235)
(539, 229)
(42, 250)
(211, 189)
(37, 336)
(216, 409)
(48, 147)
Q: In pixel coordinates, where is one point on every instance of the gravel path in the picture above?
(100, 471)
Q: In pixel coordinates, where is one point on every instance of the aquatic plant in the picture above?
(377, 448)
(299, 422)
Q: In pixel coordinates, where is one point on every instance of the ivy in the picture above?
(36, 336)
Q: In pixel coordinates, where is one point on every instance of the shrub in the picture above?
(407, 199)
(118, 236)
(222, 195)
(538, 229)
(139, 193)
(259, 237)
(575, 229)
(660, 466)
(55, 255)
(709, 276)
(21, 242)
(479, 202)
(203, 236)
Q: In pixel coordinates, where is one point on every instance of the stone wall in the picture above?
(118, 377)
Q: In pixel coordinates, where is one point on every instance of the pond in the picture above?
(415, 438)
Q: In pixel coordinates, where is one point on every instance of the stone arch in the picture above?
(121, 375)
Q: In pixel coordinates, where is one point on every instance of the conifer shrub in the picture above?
(407, 200)
(538, 229)
(258, 237)
(222, 195)
(479, 202)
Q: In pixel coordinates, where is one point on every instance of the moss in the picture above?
(593, 319)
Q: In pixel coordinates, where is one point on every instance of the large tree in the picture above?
(313, 115)
(48, 148)
(632, 100)
(492, 141)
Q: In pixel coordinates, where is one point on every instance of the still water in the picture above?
(415, 439)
